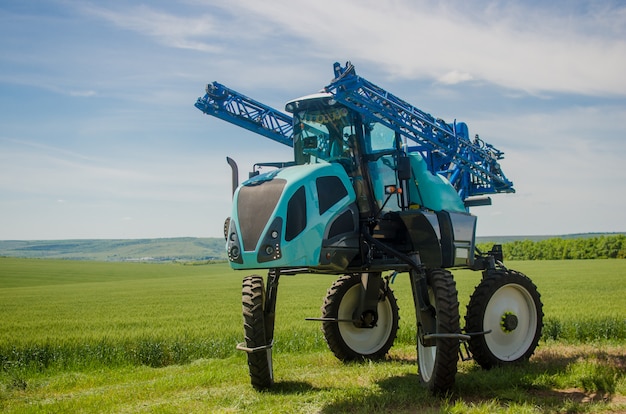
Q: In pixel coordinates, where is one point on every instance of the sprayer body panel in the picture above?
(286, 218)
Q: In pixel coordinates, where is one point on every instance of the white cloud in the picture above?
(567, 168)
(454, 77)
(519, 47)
(83, 93)
(175, 31)
(44, 170)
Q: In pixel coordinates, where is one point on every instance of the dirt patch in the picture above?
(612, 355)
(615, 403)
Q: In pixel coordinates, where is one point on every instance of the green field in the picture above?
(132, 337)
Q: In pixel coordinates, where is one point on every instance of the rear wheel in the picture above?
(344, 338)
(258, 350)
(438, 363)
(507, 304)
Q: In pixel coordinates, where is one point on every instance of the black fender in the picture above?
(422, 228)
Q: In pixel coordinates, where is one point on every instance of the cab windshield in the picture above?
(324, 134)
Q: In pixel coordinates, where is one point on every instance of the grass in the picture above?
(130, 337)
(85, 313)
(559, 379)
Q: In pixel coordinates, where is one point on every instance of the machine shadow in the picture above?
(525, 383)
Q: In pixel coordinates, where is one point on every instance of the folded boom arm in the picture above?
(238, 109)
(470, 166)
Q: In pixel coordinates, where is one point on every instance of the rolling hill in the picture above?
(166, 249)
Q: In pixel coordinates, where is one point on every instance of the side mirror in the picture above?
(404, 168)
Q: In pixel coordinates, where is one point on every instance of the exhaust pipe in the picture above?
(235, 173)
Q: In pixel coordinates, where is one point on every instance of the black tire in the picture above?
(253, 305)
(349, 342)
(438, 364)
(508, 304)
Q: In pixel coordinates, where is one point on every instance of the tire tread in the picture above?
(252, 299)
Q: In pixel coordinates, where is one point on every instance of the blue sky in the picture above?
(99, 137)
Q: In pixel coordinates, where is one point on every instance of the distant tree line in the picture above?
(602, 247)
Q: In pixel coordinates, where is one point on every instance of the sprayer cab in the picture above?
(352, 176)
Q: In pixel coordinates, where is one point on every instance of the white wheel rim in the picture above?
(504, 343)
(426, 355)
(364, 341)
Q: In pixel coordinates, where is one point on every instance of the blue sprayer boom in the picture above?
(471, 166)
(375, 185)
(238, 109)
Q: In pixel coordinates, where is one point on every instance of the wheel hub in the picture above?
(367, 319)
(509, 322)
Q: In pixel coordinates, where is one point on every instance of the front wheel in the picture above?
(438, 363)
(256, 345)
(507, 307)
(344, 338)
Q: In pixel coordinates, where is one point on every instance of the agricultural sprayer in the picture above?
(376, 187)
